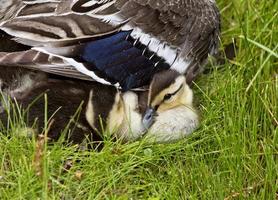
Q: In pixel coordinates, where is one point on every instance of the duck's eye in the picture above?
(167, 97)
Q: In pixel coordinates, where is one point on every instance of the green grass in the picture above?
(233, 155)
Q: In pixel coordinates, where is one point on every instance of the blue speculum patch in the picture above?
(122, 59)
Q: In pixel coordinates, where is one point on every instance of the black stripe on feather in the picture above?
(80, 8)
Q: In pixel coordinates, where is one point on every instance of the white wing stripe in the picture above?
(79, 66)
(171, 55)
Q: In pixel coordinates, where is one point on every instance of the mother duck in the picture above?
(115, 42)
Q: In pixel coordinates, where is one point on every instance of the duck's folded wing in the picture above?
(181, 24)
(93, 46)
(116, 60)
(176, 34)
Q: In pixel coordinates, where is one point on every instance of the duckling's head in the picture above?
(168, 90)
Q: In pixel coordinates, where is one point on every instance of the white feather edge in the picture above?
(104, 6)
(40, 1)
(79, 66)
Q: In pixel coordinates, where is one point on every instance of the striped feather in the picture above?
(55, 30)
(39, 61)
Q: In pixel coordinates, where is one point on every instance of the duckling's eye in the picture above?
(167, 97)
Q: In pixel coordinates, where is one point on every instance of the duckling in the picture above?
(165, 109)
(164, 113)
(170, 108)
(120, 42)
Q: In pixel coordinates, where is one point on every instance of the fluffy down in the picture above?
(173, 125)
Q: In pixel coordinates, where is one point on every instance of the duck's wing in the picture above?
(189, 27)
(177, 33)
(116, 59)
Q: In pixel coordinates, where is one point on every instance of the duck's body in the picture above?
(118, 42)
(90, 109)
